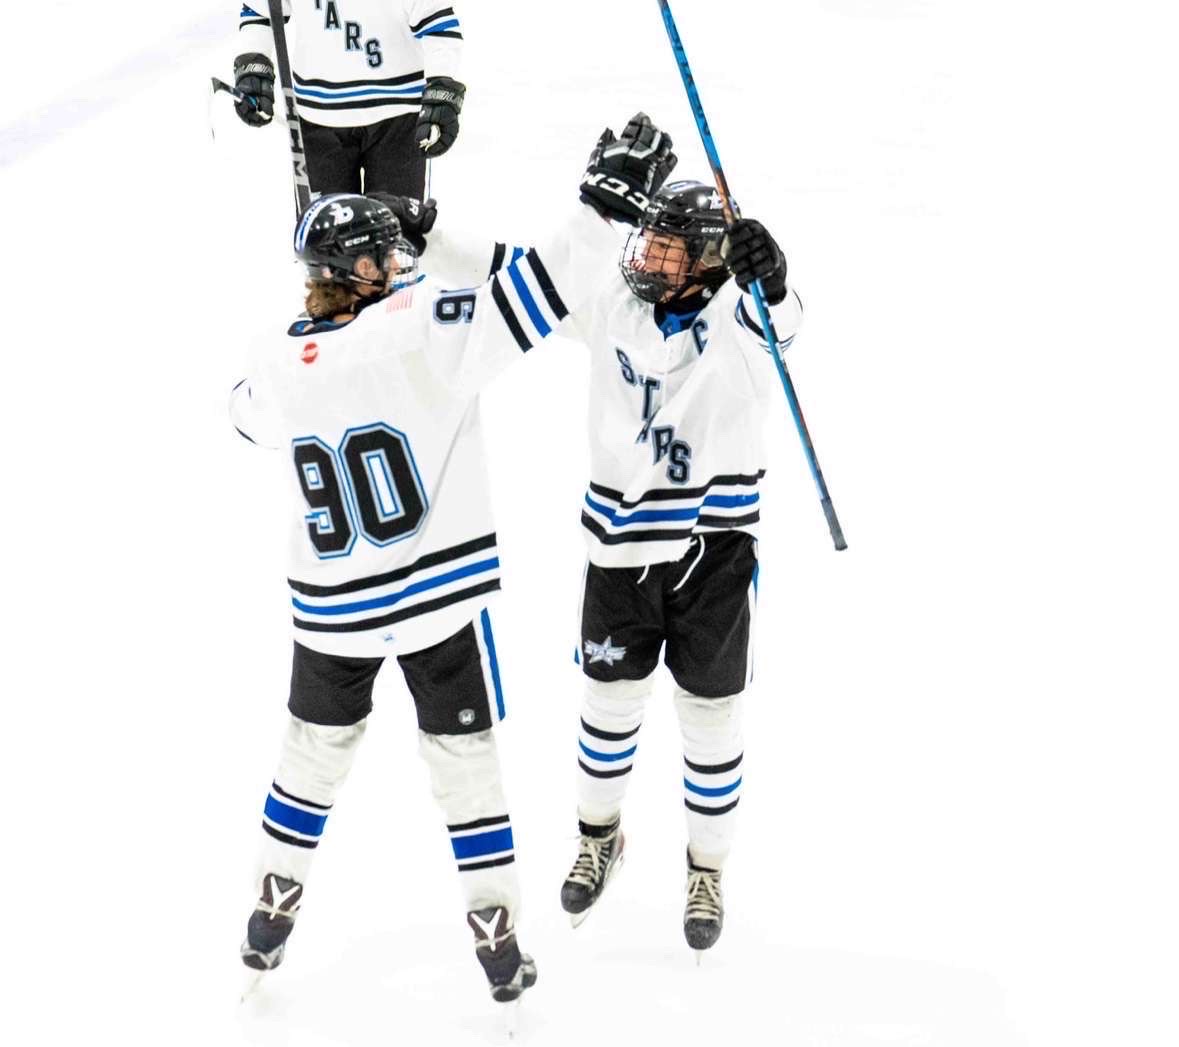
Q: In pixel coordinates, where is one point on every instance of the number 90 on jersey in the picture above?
(370, 485)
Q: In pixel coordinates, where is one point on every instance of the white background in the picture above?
(959, 815)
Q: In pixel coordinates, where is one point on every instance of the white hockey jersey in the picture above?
(392, 546)
(676, 414)
(356, 62)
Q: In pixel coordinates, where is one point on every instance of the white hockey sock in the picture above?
(314, 762)
(711, 730)
(465, 778)
(611, 714)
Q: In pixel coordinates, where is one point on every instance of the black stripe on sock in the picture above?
(294, 841)
(618, 773)
(471, 867)
(546, 285)
(607, 736)
(711, 810)
(714, 768)
(479, 823)
(505, 308)
(299, 799)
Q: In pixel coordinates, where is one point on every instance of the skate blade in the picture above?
(511, 1018)
(250, 984)
(699, 957)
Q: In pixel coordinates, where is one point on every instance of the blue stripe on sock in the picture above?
(294, 819)
(489, 641)
(607, 757)
(722, 790)
(482, 843)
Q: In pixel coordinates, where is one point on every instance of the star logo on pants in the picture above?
(604, 652)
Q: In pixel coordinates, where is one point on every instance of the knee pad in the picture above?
(617, 705)
(316, 758)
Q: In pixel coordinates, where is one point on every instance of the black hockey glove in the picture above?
(253, 75)
(438, 122)
(623, 173)
(750, 253)
(417, 217)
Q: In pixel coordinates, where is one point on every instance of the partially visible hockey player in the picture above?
(681, 382)
(375, 85)
(373, 398)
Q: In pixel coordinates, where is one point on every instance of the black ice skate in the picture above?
(599, 853)
(509, 971)
(271, 923)
(704, 912)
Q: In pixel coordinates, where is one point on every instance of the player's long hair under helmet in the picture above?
(658, 269)
(336, 231)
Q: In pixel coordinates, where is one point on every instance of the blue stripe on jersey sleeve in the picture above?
(534, 313)
(441, 27)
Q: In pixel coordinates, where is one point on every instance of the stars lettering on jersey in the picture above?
(604, 652)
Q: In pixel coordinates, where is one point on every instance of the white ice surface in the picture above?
(959, 818)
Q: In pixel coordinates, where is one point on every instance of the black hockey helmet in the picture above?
(692, 220)
(336, 231)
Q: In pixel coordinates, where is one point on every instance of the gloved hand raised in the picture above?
(750, 253)
(623, 173)
(417, 217)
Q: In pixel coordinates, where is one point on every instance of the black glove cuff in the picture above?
(442, 90)
(253, 64)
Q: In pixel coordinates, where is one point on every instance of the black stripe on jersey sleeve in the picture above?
(711, 810)
(748, 322)
(447, 34)
(728, 522)
(393, 81)
(431, 18)
(455, 552)
(399, 616)
(603, 536)
(606, 736)
(497, 259)
(505, 308)
(667, 494)
(546, 284)
(349, 103)
(714, 768)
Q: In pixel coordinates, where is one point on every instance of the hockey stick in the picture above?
(303, 194)
(763, 312)
(233, 92)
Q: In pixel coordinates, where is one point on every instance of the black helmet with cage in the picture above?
(336, 231)
(677, 248)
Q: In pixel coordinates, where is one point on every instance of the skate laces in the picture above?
(704, 895)
(592, 856)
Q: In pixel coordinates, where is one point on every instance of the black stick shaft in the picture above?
(303, 193)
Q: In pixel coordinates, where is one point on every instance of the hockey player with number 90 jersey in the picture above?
(373, 400)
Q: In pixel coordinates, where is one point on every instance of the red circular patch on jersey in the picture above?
(310, 352)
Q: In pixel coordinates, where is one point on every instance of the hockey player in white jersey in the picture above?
(681, 382)
(376, 87)
(373, 401)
